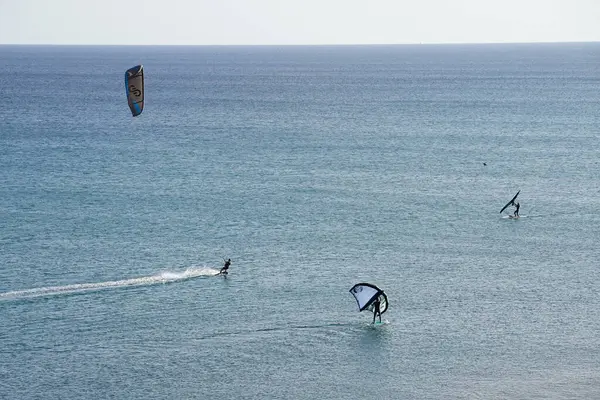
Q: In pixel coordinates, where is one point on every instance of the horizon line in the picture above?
(298, 44)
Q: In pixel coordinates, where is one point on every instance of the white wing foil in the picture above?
(366, 293)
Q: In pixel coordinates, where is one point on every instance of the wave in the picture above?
(163, 277)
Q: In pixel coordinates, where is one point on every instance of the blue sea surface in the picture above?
(312, 168)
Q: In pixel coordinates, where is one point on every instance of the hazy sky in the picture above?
(297, 21)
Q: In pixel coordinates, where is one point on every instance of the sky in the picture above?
(294, 22)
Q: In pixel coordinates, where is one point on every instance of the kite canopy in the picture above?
(134, 87)
(365, 295)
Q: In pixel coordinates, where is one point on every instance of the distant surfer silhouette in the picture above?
(376, 310)
(225, 267)
(514, 204)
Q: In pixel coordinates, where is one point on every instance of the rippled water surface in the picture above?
(312, 168)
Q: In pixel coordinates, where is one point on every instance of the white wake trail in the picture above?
(163, 277)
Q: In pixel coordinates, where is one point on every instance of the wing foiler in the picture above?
(134, 87)
(510, 203)
(366, 293)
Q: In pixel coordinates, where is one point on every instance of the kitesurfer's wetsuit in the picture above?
(517, 206)
(225, 267)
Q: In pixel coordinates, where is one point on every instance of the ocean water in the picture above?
(312, 168)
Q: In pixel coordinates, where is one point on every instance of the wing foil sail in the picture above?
(510, 203)
(366, 293)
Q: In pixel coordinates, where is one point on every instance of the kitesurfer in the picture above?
(517, 206)
(225, 267)
(376, 310)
